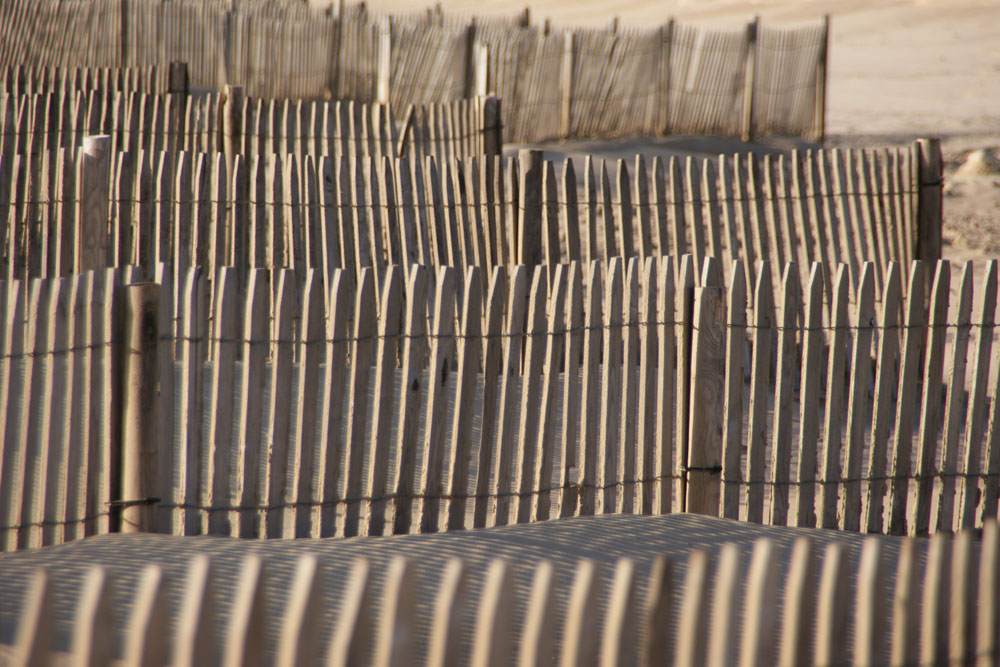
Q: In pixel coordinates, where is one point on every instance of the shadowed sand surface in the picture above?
(603, 539)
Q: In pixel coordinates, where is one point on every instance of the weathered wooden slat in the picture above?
(913, 341)
(442, 350)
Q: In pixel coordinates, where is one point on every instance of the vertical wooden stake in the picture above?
(383, 62)
(929, 200)
(93, 183)
(746, 126)
(470, 59)
(140, 470)
(529, 223)
(819, 111)
(480, 69)
(666, 43)
(566, 84)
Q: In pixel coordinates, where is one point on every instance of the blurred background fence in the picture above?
(555, 83)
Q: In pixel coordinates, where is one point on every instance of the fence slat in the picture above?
(494, 618)
(618, 641)
(385, 371)
(961, 610)
(361, 352)
(758, 644)
(630, 362)
(763, 318)
(832, 608)
(608, 447)
(452, 605)
(829, 487)
(590, 422)
(888, 347)
(913, 341)
(537, 645)
(529, 445)
(243, 642)
(856, 410)
(580, 634)
(799, 604)
(977, 398)
(934, 621)
(275, 484)
(489, 444)
(781, 446)
(34, 630)
(442, 349)
(196, 639)
(503, 475)
(804, 507)
(92, 642)
(905, 641)
(571, 435)
(988, 600)
(724, 607)
(352, 635)
(395, 635)
(953, 407)
(870, 614)
(555, 341)
(145, 641)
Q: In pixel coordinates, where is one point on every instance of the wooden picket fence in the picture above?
(557, 83)
(425, 400)
(29, 80)
(38, 125)
(943, 608)
(145, 207)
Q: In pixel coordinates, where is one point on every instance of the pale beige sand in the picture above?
(603, 539)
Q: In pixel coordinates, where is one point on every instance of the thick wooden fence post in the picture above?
(139, 465)
(819, 117)
(566, 85)
(529, 221)
(708, 371)
(177, 78)
(92, 195)
(492, 127)
(929, 200)
(746, 126)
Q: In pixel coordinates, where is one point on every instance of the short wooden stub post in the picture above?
(470, 58)
(929, 200)
(139, 469)
(708, 372)
(93, 184)
(746, 125)
(232, 125)
(819, 118)
(492, 127)
(177, 78)
(529, 224)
